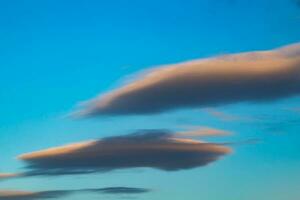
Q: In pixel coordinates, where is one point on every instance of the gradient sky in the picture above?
(56, 54)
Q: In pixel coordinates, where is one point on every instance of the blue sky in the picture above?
(57, 54)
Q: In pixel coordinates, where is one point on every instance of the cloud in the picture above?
(8, 175)
(221, 115)
(260, 76)
(203, 131)
(158, 149)
(25, 195)
(121, 190)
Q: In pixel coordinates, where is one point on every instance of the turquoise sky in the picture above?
(56, 54)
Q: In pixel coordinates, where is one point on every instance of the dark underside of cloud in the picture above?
(120, 190)
(21, 195)
(247, 77)
(157, 149)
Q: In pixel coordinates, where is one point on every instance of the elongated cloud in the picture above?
(203, 131)
(25, 195)
(246, 77)
(221, 115)
(8, 175)
(158, 149)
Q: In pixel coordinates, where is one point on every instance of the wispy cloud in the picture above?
(8, 175)
(246, 77)
(25, 195)
(222, 115)
(50, 194)
(202, 131)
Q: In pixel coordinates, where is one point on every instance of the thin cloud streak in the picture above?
(222, 116)
(202, 131)
(50, 194)
(8, 175)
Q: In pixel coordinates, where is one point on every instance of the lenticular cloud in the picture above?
(246, 77)
(157, 149)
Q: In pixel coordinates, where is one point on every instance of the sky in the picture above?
(194, 99)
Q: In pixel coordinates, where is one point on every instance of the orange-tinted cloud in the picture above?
(150, 149)
(25, 195)
(227, 117)
(246, 77)
(201, 131)
(8, 175)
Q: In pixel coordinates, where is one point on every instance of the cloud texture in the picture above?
(25, 195)
(246, 77)
(157, 149)
(8, 175)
